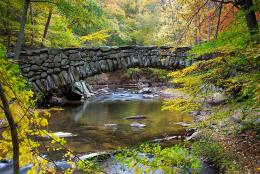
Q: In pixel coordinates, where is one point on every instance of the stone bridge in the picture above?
(51, 69)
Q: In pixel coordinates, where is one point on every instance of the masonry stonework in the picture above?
(51, 69)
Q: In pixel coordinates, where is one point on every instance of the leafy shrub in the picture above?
(148, 158)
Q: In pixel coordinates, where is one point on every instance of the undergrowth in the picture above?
(214, 153)
(152, 158)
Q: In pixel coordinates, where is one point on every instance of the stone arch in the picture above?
(51, 69)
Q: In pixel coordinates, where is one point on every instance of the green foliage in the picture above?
(148, 158)
(59, 35)
(70, 20)
(214, 153)
(153, 74)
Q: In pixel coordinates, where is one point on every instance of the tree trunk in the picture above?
(219, 16)
(32, 23)
(46, 27)
(21, 32)
(138, 6)
(13, 130)
(250, 17)
(209, 22)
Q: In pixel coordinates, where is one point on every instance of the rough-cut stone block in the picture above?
(83, 55)
(44, 74)
(75, 73)
(51, 83)
(110, 64)
(35, 68)
(64, 62)
(75, 56)
(181, 63)
(82, 71)
(98, 67)
(93, 67)
(187, 62)
(105, 48)
(50, 71)
(57, 59)
(65, 67)
(64, 82)
(41, 86)
(35, 86)
(30, 74)
(56, 80)
(128, 61)
(167, 61)
(76, 63)
(26, 69)
(57, 70)
(38, 60)
(57, 65)
(51, 65)
(54, 51)
(66, 76)
(71, 75)
(45, 85)
(123, 63)
(115, 64)
(35, 77)
(104, 66)
(88, 70)
(44, 56)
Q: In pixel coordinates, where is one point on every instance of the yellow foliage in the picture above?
(99, 36)
(29, 122)
(181, 105)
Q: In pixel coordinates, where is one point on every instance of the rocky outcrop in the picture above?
(53, 69)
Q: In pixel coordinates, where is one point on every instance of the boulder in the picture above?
(193, 136)
(237, 116)
(217, 98)
(145, 91)
(183, 124)
(137, 125)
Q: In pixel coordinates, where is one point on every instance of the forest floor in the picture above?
(245, 147)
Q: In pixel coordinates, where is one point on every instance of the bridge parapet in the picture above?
(51, 69)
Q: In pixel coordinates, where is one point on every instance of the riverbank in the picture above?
(231, 151)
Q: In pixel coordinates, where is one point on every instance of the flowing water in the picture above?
(100, 124)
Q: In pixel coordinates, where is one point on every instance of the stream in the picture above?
(100, 124)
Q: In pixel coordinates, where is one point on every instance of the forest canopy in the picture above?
(75, 23)
(229, 28)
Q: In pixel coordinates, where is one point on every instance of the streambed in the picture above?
(100, 124)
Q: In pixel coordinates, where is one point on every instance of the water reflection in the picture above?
(101, 125)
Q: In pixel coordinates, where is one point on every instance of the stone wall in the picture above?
(53, 69)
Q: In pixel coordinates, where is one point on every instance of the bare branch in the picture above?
(45, 2)
(223, 2)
